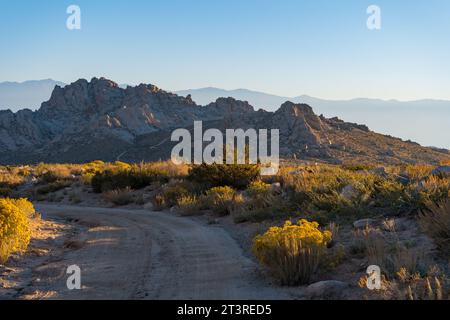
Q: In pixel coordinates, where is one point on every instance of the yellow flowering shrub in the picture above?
(292, 252)
(15, 231)
(25, 206)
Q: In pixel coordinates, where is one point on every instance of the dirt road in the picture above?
(137, 254)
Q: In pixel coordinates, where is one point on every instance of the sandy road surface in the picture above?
(137, 254)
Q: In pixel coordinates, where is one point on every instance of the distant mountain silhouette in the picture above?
(424, 121)
(29, 94)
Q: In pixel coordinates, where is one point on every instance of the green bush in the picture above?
(135, 177)
(222, 200)
(119, 175)
(170, 195)
(238, 176)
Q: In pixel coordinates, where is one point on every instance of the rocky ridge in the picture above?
(97, 119)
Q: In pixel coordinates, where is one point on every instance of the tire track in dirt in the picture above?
(139, 254)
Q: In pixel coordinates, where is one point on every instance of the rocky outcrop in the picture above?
(21, 130)
(97, 119)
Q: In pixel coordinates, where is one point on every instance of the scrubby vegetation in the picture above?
(406, 209)
(119, 197)
(435, 221)
(136, 176)
(293, 252)
(15, 229)
(219, 175)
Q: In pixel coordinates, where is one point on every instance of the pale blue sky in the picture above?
(316, 47)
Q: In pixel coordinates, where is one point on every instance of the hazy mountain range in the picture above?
(423, 121)
(29, 94)
(98, 119)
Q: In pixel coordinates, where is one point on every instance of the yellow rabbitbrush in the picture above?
(293, 252)
(15, 231)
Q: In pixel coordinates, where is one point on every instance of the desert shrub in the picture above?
(169, 169)
(14, 229)
(189, 205)
(9, 179)
(261, 194)
(418, 171)
(330, 192)
(258, 187)
(388, 253)
(293, 252)
(158, 202)
(49, 173)
(414, 286)
(110, 180)
(120, 197)
(261, 203)
(355, 166)
(93, 166)
(428, 192)
(406, 285)
(170, 194)
(25, 206)
(86, 178)
(321, 192)
(238, 176)
(436, 223)
(52, 187)
(222, 200)
(136, 176)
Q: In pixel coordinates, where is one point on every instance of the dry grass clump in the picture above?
(189, 205)
(436, 223)
(413, 286)
(49, 173)
(11, 177)
(406, 285)
(119, 197)
(387, 252)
